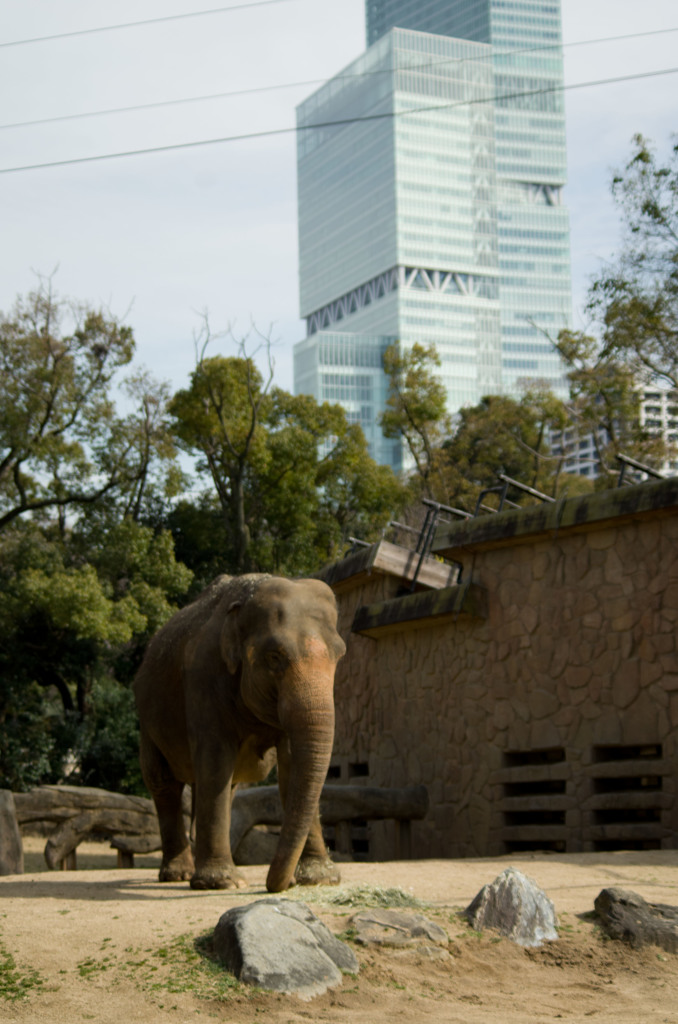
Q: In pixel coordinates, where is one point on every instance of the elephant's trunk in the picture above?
(309, 724)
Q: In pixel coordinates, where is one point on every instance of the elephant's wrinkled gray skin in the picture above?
(245, 670)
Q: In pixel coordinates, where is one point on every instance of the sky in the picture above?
(163, 239)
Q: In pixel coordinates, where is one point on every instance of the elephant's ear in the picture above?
(230, 643)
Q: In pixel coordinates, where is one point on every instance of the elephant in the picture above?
(244, 673)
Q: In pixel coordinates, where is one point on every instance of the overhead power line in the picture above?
(341, 122)
(136, 24)
(316, 81)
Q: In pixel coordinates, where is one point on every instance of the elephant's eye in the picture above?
(276, 660)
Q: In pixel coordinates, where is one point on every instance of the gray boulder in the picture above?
(395, 928)
(281, 945)
(516, 907)
(257, 846)
(11, 846)
(626, 915)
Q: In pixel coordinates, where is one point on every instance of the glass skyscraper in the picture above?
(430, 174)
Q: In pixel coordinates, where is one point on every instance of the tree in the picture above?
(604, 404)
(82, 582)
(62, 445)
(635, 299)
(147, 447)
(358, 496)
(634, 306)
(219, 417)
(75, 616)
(503, 435)
(318, 487)
(287, 470)
(283, 490)
(69, 611)
(202, 539)
(107, 750)
(416, 405)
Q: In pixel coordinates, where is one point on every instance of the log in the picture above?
(70, 833)
(132, 824)
(342, 803)
(148, 843)
(80, 811)
(58, 803)
(11, 846)
(261, 805)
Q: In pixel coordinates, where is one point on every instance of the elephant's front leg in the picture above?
(214, 867)
(315, 865)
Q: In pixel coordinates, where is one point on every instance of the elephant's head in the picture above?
(284, 637)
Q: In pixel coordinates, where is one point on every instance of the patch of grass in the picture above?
(86, 968)
(16, 984)
(357, 896)
(186, 964)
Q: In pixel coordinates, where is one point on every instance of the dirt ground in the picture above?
(108, 945)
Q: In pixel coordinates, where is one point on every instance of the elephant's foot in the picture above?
(177, 869)
(218, 877)
(317, 871)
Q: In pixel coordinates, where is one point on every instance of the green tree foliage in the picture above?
(201, 537)
(27, 741)
(292, 477)
(69, 611)
(62, 444)
(605, 405)
(509, 436)
(317, 487)
(83, 583)
(219, 418)
(74, 614)
(416, 406)
(108, 744)
(357, 496)
(635, 299)
(634, 306)
(455, 459)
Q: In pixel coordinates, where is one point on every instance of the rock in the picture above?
(11, 846)
(516, 907)
(257, 846)
(395, 928)
(626, 915)
(281, 945)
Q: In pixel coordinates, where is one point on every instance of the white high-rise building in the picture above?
(429, 181)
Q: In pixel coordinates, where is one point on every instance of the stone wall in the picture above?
(550, 721)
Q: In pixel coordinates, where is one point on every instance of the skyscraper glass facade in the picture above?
(468, 19)
(348, 369)
(430, 193)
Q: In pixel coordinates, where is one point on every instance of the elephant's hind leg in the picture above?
(177, 859)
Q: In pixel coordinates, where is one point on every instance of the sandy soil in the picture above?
(107, 945)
